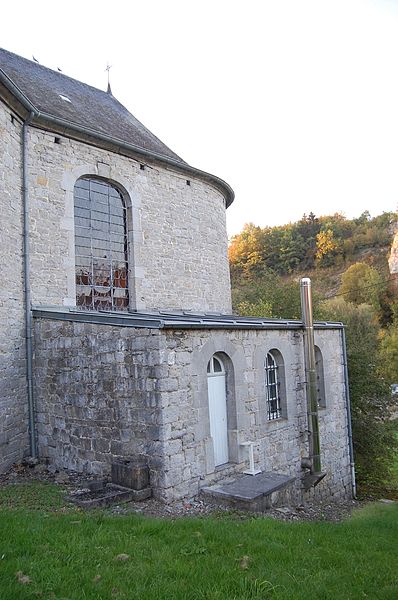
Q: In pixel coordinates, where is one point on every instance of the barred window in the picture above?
(100, 246)
(274, 406)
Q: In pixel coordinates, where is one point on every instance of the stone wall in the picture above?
(13, 403)
(177, 232)
(177, 246)
(280, 444)
(97, 394)
(106, 392)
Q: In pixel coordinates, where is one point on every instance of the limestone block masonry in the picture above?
(97, 391)
(119, 386)
(107, 392)
(177, 246)
(13, 411)
(177, 233)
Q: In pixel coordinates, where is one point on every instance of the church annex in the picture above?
(116, 334)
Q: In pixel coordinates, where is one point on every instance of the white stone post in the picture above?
(251, 470)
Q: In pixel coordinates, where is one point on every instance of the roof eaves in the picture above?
(172, 322)
(40, 117)
(18, 93)
(121, 145)
(96, 317)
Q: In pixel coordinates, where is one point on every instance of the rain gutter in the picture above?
(348, 409)
(113, 319)
(169, 320)
(120, 144)
(27, 290)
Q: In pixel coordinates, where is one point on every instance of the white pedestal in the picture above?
(251, 470)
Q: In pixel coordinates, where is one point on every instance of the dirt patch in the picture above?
(71, 482)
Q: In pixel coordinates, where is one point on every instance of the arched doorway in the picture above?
(216, 380)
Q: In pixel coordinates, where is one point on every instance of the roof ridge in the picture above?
(61, 100)
(60, 74)
(64, 81)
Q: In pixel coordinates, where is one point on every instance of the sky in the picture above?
(293, 102)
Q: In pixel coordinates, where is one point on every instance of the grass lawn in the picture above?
(51, 551)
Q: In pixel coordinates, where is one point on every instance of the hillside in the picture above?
(267, 263)
(347, 261)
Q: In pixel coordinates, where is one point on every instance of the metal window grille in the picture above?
(100, 246)
(274, 410)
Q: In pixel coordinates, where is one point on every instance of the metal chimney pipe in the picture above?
(310, 375)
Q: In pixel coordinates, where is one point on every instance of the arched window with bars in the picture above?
(275, 385)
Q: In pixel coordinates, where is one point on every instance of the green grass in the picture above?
(390, 485)
(42, 496)
(67, 554)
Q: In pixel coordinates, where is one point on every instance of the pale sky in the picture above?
(293, 102)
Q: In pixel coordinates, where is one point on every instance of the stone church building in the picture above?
(117, 338)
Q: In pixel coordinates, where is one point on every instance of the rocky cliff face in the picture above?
(393, 260)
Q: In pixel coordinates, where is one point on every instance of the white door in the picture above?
(218, 410)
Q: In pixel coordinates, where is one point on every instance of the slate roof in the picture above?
(88, 107)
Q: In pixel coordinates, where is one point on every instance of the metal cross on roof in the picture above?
(108, 68)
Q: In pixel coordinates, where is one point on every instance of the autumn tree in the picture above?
(389, 353)
(389, 347)
(246, 250)
(362, 284)
(270, 297)
(374, 440)
(326, 247)
(308, 228)
(308, 243)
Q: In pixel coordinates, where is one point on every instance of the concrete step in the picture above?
(253, 493)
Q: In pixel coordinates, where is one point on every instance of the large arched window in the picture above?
(100, 246)
(275, 385)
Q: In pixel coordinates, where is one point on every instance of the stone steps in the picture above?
(253, 493)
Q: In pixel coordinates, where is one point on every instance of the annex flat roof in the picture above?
(173, 320)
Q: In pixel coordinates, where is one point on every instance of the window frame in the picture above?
(100, 227)
(275, 386)
(212, 366)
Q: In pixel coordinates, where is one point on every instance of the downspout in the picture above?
(348, 409)
(28, 309)
(310, 377)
